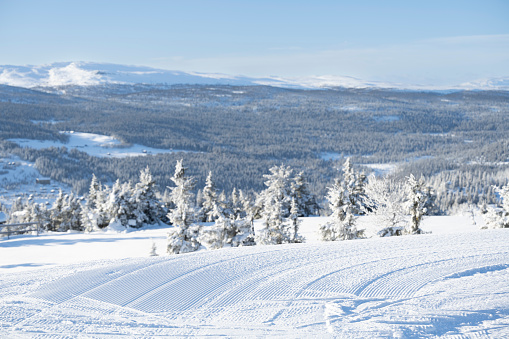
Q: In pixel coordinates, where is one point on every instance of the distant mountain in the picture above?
(90, 74)
(488, 84)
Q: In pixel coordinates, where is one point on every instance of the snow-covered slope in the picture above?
(426, 286)
(87, 74)
(488, 84)
(95, 145)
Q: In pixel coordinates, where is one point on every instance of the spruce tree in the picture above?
(147, 206)
(210, 200)
(275, 204)
(345, 205)
(183, 238)
(305, 201)
(420, 201)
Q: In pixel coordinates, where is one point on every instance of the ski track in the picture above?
(343, 289)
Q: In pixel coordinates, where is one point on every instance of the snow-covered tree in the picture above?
(386, 199)
(120, 206)
(56, 215)
(342, 224)
(24, 211)
(183, 238)
(294, 223)
(153, 250)
(210, 200)
(344, 199)
(147, 206)
(235, 204)
(94, 193)
(65, 214)
(355, 183)
(93, 213)
(420, 201)
(227, 232)
(274, 201)
(499, 217)
(305, 201)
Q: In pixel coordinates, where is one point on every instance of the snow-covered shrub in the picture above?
(386, 200)
(498, 217)
(183, 240)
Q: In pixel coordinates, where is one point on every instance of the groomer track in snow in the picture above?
(415, 286)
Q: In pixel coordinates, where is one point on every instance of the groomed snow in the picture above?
(452, 283)
(95, 145)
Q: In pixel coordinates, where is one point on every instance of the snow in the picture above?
(451, 283)
(95, 145)
(328, 156)
(18, 179)
(89, 74)
(382, 169)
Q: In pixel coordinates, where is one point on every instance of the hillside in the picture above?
(449, 283)
(92, 74)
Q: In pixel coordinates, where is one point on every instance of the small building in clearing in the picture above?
(43, 181)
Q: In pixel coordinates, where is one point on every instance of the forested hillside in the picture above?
(457, 140)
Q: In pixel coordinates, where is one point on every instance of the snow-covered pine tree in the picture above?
(355, 183)
(147, 206)
(226, 232)
(386, 200)
(94, 212)
(210, 200)
(120, 205)
(305, 201)
(184, 237)
(499, 217)
(225, 204)
(153, 250)
(294, 223)
(236, 204)
(28, 211)
(420, 201)
(249, 210)
(56, 215)
(71, 214)
(274, 202)
(94, 195)
(344, 207)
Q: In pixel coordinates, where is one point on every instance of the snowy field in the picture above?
(95, 145)
(451, 283)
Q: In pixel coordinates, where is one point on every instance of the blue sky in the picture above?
(418, 42)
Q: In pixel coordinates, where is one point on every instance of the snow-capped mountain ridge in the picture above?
(91, 74)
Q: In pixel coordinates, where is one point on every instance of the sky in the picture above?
(412, 41)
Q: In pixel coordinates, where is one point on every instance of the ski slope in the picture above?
(449, 284)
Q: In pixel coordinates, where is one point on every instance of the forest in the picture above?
(457, 140)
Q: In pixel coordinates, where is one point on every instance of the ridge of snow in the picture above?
(91, 74)
(500, 83)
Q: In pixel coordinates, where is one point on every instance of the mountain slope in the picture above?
(89, 74)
